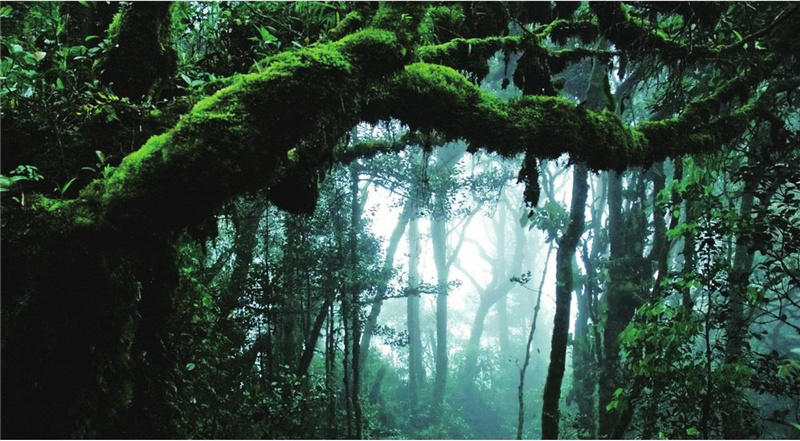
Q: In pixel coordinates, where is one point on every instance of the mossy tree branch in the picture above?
(238, 139)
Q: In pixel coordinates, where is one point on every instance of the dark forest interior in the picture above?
(422, 220)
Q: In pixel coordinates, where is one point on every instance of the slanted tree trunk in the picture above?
(567, 245)
(377, 302)
(524, 369)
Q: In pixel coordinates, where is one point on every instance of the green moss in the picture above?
(349, 24)
(141, 55)
(50, 205)
(471, 55)
(375, 52)
(561, 30)
(238, 138)
(545, 126)
(402, 18)
(113, 28)
(442, 23)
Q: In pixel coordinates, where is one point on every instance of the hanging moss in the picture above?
(534, 68)
(561, 30)
(532, 74)
(638, 39)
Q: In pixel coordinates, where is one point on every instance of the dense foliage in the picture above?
(400, 220)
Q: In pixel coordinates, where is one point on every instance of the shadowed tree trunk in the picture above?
(141, 55)
(567, 245)
(587, 342)
(737, 325)
(624, 275)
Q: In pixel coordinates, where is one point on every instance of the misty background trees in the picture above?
(401, 220)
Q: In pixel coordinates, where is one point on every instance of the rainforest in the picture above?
(400, 220)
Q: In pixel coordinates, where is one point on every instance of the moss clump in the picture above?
(401, 18)
(349, 24)
(235, 140)
(373, 52)
(469, 54)
(140, 55)
(560, 31)
(442, 23)
(545, 126)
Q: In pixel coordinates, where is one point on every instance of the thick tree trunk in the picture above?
(141, 54)
(612, 329)
(618, 305)
(558, 351)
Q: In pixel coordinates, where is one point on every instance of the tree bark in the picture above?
(558, 351)
(439, 241)
(416, 372)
